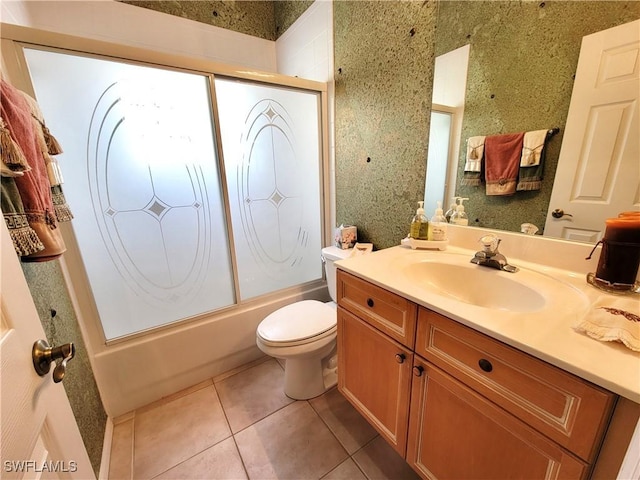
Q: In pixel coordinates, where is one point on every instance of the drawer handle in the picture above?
(417, 370)
(370, 302)
(485, 365)
(400, 357)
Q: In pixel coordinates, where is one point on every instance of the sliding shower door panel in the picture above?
(142, 179)
(272, 156)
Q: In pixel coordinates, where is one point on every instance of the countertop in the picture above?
(549, 336)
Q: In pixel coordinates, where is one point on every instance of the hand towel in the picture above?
(473, 164)
(532, 160)
(532, 146)
(33, 186)
(501, 163)
(24, 238)
(49, 146)
(613, 319)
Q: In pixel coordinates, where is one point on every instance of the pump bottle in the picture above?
(438, 225)
(452, 209)
(420, 224)
(460, 217)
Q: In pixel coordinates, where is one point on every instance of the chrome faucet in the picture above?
(489, 255)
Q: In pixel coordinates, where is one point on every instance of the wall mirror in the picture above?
(522, 59)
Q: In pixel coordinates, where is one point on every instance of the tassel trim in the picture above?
(53, 146)
(529, 185)
(63, 213)
(25, 240)
(470, 182)
(45, 217)
(60, 205)
(10, 151)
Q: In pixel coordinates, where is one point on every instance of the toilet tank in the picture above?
(331, 255)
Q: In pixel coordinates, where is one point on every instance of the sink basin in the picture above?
(520, 292)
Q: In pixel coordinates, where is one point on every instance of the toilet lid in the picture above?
(298, 321)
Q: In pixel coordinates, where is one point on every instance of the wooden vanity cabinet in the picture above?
(455, 433)
(456, 403)
(375, 376)
(569, 410)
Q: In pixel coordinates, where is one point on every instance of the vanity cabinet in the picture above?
(375, 376)
(456, 403)
(457, 433)
(567, 409)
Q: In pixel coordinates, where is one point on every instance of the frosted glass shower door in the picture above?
(272, 156)
(141, 177)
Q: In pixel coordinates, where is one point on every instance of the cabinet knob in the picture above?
(485, 365)
(370, 302)
(400, 357)
(417, 370)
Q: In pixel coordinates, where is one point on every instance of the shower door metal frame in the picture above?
(15, 38)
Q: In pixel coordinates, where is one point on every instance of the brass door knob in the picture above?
(43, 355)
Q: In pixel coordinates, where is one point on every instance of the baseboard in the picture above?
(106, 451)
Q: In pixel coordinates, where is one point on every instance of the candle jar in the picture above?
(620, 255)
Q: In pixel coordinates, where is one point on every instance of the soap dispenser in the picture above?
(460, 217)
(438, 225)
(452, 209)
(419, 224)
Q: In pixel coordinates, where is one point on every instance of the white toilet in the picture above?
(304, 334)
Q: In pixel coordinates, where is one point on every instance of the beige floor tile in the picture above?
(220, 462)
(121, 461)
(347, 470)
(253, 394)
(174, 396)
(379, 461)
(176, 431)
(346, 423)
(241, 368)
(292, 443)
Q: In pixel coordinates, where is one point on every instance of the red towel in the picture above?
(502, 155)
(33, 186)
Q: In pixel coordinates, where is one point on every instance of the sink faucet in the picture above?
(489, 255)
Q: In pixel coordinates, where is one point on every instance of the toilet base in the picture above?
(307, 378)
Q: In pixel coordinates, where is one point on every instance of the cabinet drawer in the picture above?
(567, 409)
(388, 312)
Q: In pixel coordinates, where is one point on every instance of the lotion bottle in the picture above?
(460, 217)
(420, 224)
(438, 225)
(452, 209)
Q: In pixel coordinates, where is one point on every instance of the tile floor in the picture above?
(241, 425)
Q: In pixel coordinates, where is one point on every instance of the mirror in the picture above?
(522, 63)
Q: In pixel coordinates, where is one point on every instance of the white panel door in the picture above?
(598, 172)
(40, 437)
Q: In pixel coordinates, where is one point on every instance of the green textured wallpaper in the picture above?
(384, 52)
(522, 64)
(287, 12)
(255, 18)
(264, 19)
(60, 324)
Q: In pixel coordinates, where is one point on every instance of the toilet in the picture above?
(304, 334)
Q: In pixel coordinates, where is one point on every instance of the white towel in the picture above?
(532, 146)
(613, 319)
(475, 152)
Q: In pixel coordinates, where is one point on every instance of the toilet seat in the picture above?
(298, 323)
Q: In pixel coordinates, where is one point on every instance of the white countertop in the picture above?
(546, 335)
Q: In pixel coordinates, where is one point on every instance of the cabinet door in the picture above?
(455, 433)
(374, 374)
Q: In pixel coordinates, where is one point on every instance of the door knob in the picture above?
(559, 213)
(43, 355)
